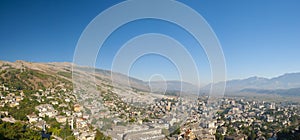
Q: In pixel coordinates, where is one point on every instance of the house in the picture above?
(67, 100)
(13, 104)
(4, 113)
(77, 108)
(46, 110)
(61, 119)
(2, 104)
(51, 113)
(32, 118)
(270, 119)
(54, 102)
(1, 96)
(80, 123)
(68, 113)
(7, 119)
(19, 98)
(85, 116)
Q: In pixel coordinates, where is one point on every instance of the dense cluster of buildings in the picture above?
(203, 118)
(169, 117)
(55, 103)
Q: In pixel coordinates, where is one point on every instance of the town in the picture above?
(61, 112)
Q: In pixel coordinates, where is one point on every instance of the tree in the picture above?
(101, 136)
(17, 131)
(219, 136)
(66, 131)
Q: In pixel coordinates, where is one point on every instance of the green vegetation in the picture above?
(101, 136)
(65, 74)
(23, 79)
(176, 132)
(66, 132)
(18, 131)
(25, 107)
(52, 122)
(131, 120)
(219, 136)
(287, 134)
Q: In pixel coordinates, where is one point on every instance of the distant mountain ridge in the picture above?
(287, 83)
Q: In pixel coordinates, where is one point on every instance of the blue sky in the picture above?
(259, 38)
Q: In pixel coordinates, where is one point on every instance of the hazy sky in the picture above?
(258, 37)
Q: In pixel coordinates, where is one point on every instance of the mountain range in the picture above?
(284, 85)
